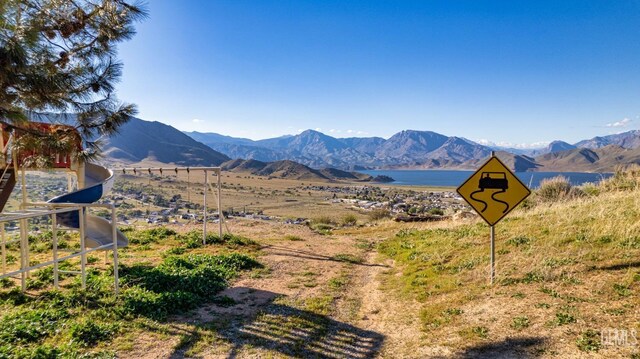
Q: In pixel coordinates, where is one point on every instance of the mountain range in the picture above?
(140, 140)
(412, 149)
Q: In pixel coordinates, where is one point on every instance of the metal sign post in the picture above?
(493, 253)
(493, 191)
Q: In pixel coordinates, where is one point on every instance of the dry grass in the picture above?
(563, 268)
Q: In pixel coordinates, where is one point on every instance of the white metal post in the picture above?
(23, 179)
(493, 254)
(54, 238)
(69, 183)
(493, 244)
(220, 215)
(24, 250)
(4, 248)
(204, 222)
(114, 233)
(83, 254)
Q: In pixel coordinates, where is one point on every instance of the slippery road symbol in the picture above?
(492, 180)
(493, 190)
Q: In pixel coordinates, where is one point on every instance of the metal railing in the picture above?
(39, 209)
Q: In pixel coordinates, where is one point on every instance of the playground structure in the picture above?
(207, 186)
(69, 211)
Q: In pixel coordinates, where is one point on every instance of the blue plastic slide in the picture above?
(97, 182)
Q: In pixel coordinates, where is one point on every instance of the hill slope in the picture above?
(603, 159)
(566, 271)
(291, 170)
(138, 140)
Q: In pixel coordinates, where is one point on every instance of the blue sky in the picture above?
(516, 72)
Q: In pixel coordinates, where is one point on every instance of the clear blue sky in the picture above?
(506, 71)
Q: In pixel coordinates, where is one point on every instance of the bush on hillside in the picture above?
(623, 179)
(378, 214)
(349, 220)
(557, 188)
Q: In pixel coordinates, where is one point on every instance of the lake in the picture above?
(448, 178)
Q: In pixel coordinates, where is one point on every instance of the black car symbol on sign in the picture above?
(492, 180)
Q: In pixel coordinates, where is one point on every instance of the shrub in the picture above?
(436, 212)
(323, 220)
(590, 189)
(11, 259)
(349, 220)
(554, 189)
(378, 214)
(322, 228)
(623, 179)
(622, 290)
(191, 239)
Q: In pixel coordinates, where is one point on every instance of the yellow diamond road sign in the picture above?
(493, 191)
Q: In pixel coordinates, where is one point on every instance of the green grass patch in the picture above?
(564, 318)
(68, 323)
(520, 323)
(348, 258)
(321, 305)
(622, 290)
(147, 236)
(193, 239)
(589, 341)
(338, 282)
(293, 238)
(88, 333)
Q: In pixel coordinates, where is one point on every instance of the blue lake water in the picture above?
(444, 178)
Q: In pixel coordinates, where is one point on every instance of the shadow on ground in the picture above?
(525, 347)
(278, 328)
(288, 252)
(619, 266)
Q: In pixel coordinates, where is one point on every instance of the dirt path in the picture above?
(398, 320)
(318, 296)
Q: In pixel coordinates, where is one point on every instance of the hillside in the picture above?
(138, 140)
(291, 170)
(518, 163)
(603, 159)
(566, 273)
